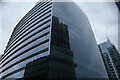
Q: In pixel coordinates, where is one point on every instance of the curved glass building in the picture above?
(53, 40)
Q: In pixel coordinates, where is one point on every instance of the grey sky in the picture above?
(103, 17)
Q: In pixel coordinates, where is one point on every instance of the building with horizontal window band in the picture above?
(53, 40)
(111, 58)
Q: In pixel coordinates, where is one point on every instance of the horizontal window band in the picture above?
(32, 14)
(20, 56)
(25, 17)
(45, 69)
(41, 51)
(31, 11)
(27, 62)
(28, 20)
(25, 50)
(26, 30)
(28, 38)
(18, 70)
(28, 33)
(15, 37)
(36, 27)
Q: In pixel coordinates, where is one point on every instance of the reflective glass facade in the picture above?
(82, 41)
(53, 40)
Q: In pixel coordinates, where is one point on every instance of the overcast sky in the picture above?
(103, 17)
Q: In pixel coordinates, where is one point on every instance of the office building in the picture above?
(53, 40)
(111, 58)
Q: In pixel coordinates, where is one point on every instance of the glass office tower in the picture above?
(111, 58)
(53, 40)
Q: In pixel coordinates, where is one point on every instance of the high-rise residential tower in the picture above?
(111, 58)
(53, 40)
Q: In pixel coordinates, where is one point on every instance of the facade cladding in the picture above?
(111, 58)
(53, 40)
